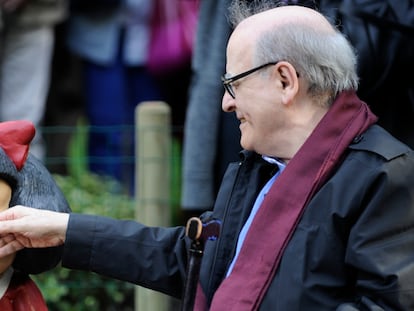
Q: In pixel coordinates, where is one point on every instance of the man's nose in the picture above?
(228, 103)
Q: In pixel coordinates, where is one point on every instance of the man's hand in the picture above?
(22, 227)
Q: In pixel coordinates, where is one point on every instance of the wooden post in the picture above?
(153, 158)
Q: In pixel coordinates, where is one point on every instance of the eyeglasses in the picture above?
(228, 81)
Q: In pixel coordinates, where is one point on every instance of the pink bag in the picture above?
(173, 27)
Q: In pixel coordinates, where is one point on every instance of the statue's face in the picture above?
(5, 197)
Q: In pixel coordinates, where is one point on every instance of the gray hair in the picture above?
(327, 61)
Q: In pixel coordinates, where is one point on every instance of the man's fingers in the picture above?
(14, 212)
(9, 227)
(6, 239)
(9, 245)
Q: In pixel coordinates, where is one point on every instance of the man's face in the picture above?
(256, 102)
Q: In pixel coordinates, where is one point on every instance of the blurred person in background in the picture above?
(219, 145)
(111, 38)
(26, 50)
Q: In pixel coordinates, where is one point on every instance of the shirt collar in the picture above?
(281, 165)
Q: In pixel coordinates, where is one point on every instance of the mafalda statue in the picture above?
(24, 180)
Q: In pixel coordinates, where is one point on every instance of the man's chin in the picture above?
(245, 145)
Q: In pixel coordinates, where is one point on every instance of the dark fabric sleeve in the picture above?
(381, 242)
(152, 257)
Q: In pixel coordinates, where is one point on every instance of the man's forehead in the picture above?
(239, 51)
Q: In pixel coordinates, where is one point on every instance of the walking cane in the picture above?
(198, 233)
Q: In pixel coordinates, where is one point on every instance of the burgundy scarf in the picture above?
(283, 206)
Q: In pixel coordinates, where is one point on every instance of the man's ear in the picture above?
(289, 80)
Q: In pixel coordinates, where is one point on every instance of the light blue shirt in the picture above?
(255, 208)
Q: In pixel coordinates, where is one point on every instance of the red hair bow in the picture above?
(15, 138)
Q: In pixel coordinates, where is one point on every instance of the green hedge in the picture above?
(69, 290)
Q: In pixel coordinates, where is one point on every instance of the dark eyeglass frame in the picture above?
(228, 81)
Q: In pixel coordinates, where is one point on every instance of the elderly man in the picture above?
(318, 213)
